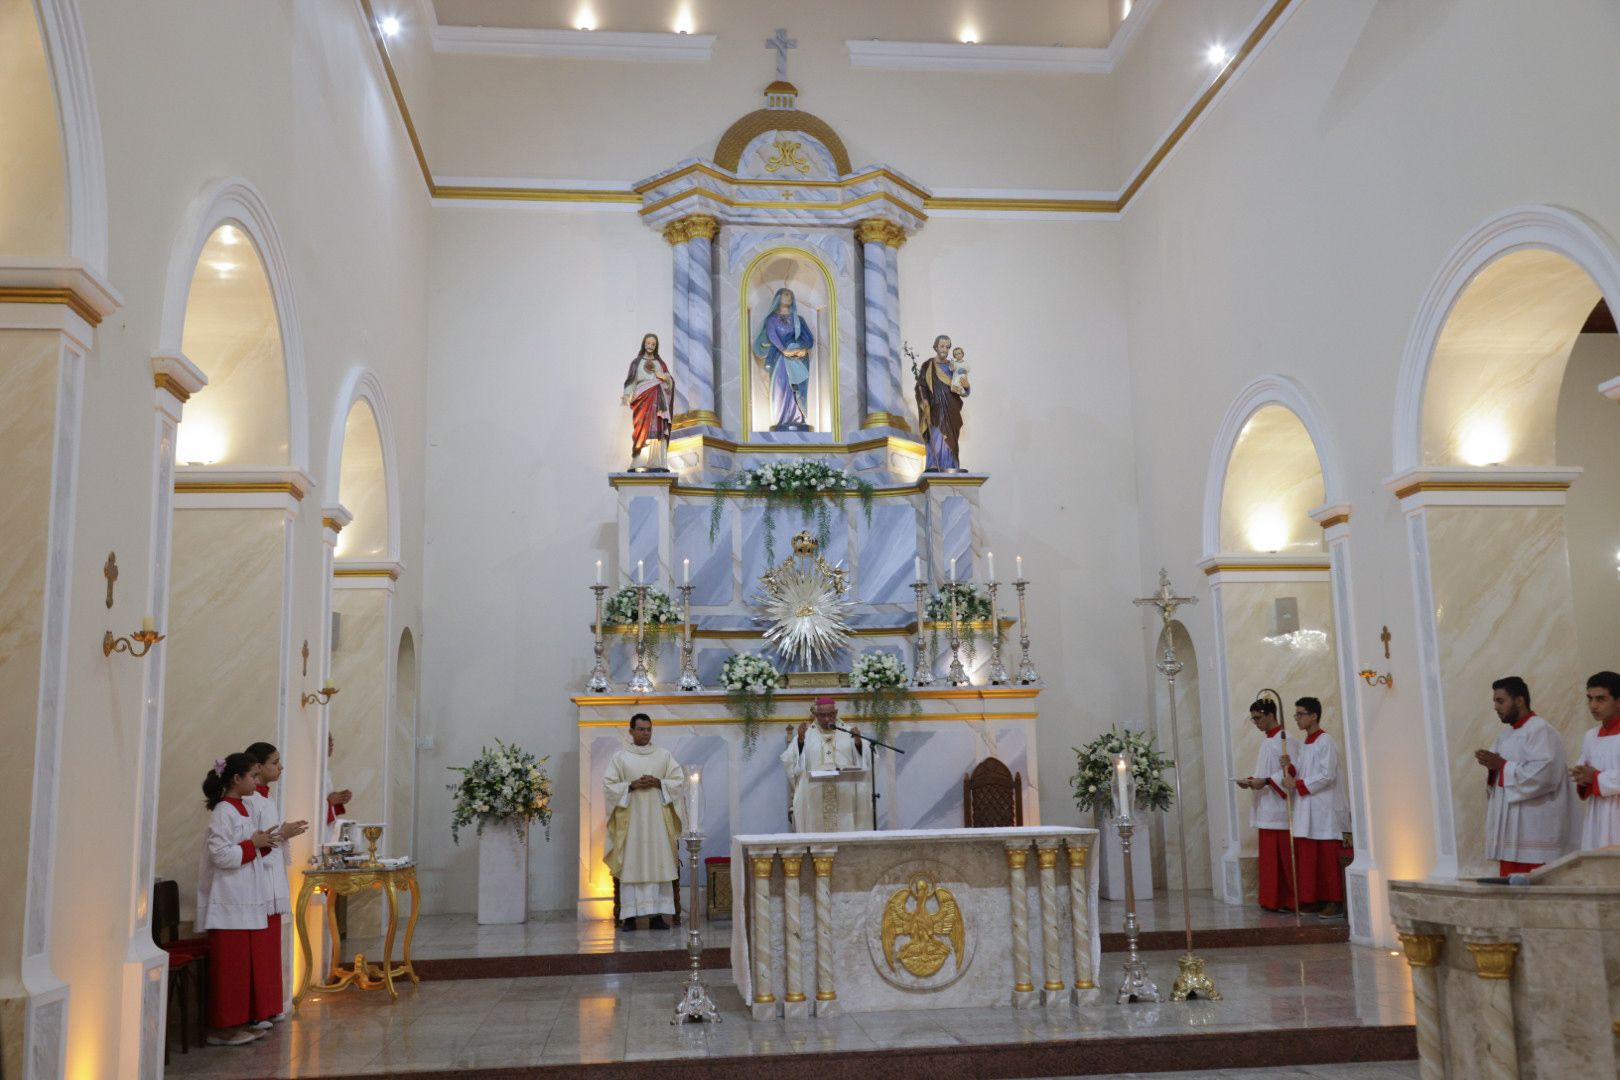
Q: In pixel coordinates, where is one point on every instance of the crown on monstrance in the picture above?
(804, 543)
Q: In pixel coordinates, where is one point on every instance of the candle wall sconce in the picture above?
(146, 638)
(1372, 678)
(320, 698)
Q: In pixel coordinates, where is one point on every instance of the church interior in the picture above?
(445, 726)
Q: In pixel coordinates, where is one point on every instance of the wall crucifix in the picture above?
(781, 43)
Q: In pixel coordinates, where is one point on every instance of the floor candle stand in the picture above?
(696, 1006)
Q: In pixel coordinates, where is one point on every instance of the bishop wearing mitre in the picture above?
(644, 784)
(822, 800)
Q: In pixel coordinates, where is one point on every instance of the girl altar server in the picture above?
(277, 862)
(233, 899)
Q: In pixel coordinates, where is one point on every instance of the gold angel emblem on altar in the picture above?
(907, 915)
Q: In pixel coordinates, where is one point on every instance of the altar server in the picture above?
(644, 785)
(821, 803)
(1321, 817)
(1597, 770)
(1531, 802)
(1269, 812)
(267, 818)
(233, 898)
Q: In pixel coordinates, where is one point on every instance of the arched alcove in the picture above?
(402, 748)
(1273, 482)
(363, 488)
(1188, 741)
(34, 198)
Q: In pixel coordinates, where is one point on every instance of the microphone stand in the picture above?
(875, 744)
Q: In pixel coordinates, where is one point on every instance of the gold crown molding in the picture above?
(205, 487)
(1493, 959)
(728, 153)
(525, 194)
(164, 381)
(696, 418)
(375, 28)
(42, 294)
(885, 419)
(1422, 950)
(1482, 485)
(367, 572)
(332, 523)
(1264, 568)
(1336, 519)
(1046, 206)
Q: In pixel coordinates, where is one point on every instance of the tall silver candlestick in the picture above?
(641, 681)
(598, 683)
(923, 675)
(1136, 986)
(1027, 675)
(696, 1006)
(1193, 980)
(689, 675)
(998, 670)
(958, 675)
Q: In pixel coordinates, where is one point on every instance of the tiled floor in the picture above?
(1387, 1070)
(572, 1019)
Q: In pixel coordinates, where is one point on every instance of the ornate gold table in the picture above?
(366, 976)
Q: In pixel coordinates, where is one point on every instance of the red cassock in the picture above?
(244, 960)
(1318, 867)
(1276, 888)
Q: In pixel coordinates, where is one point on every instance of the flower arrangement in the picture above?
(881, 678)
(503, 784)
(972, 606)
(621, 608)
(805, 485)
(750, 682)
(1093, 780)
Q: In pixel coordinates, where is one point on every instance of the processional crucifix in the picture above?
(781, 43)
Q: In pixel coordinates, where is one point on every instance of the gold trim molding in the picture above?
(1422, 950)
(880, 231)
(1336, 519)
(696, 418)
(977, 693)
(692, 227)
(164, 381)
(1481, 485)
(32, 294)
(368, 572)
(1493, 959)
(332, 523)
(1266, 568)
(885, 419)
(205, 487)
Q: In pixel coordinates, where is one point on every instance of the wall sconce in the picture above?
(1372, 678)
(321, 698)
(147, 636)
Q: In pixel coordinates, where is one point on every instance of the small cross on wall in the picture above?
(781, 43)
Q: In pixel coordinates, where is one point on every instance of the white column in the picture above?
(826, 993)
(1053, 990)
(1423, 957)
(759, 895)
(794, 1003)
(1493, 963)
(1023, 991)
(334, 517)
(1085, 985)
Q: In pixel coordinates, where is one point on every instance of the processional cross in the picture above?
(1166, 601)
(781, 43)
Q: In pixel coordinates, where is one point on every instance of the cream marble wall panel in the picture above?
(1588, 424)
(33, 212)
(1273, 481)
(28, 374)
(399, 838)
(224, 628)
(363, 488)
(1295, 666)
(358, 719)
(1194, 783)
(1502, 607)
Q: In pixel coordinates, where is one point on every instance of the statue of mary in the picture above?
(783, 346)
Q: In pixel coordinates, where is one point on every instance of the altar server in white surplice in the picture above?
(1531, 801)
(822, 804)
(1269, 814)
(1321, 814)
(644, 785)
(1597, 771)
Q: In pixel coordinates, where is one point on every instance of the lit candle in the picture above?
(694, 801)
(953, 572)
(990, 559)
(686, 571)
(1019, 561)
(148, 625)
(1124, 789)
(641, 572)
(599, 571)
(917, 561)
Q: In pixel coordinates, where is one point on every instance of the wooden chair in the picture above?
(992, 796)
(188, 965)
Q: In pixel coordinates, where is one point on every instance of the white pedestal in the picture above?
(1112, 883)
(503, 874)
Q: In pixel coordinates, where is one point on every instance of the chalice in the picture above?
(372, 833)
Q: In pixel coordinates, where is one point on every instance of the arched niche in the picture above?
(34, 197)
(402, 750)
(1273, 482)
(363, 487)
(814, 291)
(1188, 740)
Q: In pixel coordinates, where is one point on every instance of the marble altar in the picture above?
(1516, 980)
(914, 919)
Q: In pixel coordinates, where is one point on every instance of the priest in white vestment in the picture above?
(1531, 801)
(644, 785)
(1597, 770)
(821, 801)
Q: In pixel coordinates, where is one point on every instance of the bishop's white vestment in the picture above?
(1531, 801)
(828, 805)
(1601, 827)
(644, 828)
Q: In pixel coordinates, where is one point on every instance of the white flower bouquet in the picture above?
(502, 784)
(882, 680)
(750, 682)
(1093, 780)
(805, 485)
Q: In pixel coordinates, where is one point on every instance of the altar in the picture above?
(914, 919)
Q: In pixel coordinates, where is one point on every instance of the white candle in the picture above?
(990, 559)
(1019, 561)
(686, 571)
(148, 625)
(953, 571)
(694, 801)
(1124, 788)
(641, 572)
(917, 561)
(599, 571)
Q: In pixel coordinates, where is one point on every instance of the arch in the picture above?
(1523, 228)
(362, 385)
(728, 152)
(236, 202)
(1256, 395)
(829, 348)
(82, 160)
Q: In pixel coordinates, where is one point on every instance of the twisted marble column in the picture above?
(1023, 991)
(891, 271)
(826, 996)
(885, 405)
(1085, 986)
(1493, 962)
(700, 366)
(760, 898)
(1053, 989)
(677, 235)
(1423, 957)
(793, 999)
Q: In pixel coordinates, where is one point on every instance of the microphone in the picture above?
(1511, 879)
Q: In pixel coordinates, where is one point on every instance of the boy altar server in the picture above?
(1530, 803)
(644, 784)
(1597, 770)
(1269, 813)
(1321, 817)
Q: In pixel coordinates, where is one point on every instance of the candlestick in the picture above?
(695, 1005)
(694, 800)
(916, 561)
(953, 572)
(148, 624)
(641, 572)
(1027, 675)
(990, 565)
(598, 683)
(958, 675)
(1136, 986)
(1019, 561)
(998, 670)
(689, 676)
(922, 673)
(1123, 788)
(686, 571)
(641, 680)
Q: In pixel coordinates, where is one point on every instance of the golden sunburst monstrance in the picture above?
(803, 600)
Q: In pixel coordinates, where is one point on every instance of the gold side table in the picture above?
(366, 976)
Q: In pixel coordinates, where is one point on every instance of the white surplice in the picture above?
(279, 861)
(233, 885)
(641, 847)
(1270, 806)
(1320, 812)
(1530, 808)
(829, 805)
(1601, 827)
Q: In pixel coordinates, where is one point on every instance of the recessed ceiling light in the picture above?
(1217, 55)
(970, 36)
(683, 21)
(586, 19)
(389, 25)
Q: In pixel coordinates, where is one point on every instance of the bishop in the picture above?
(830, 774)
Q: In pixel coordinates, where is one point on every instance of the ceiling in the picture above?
(1074, 23)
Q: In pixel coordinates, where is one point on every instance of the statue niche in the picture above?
(789, 366)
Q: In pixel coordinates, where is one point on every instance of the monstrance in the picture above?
(804, 603)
